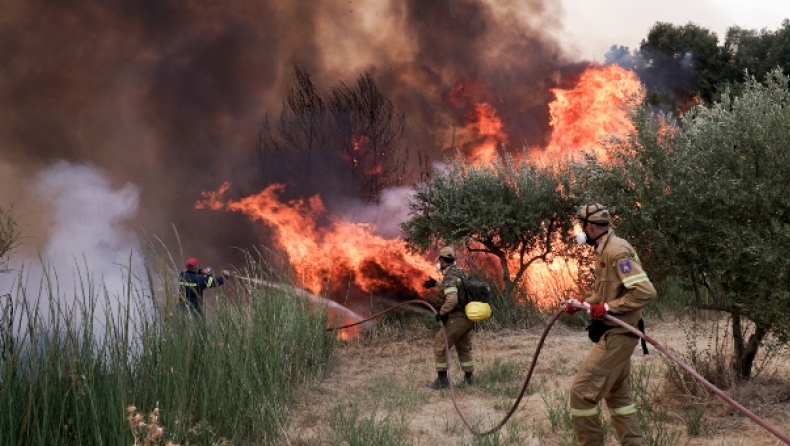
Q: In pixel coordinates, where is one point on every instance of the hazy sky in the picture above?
(593, 26)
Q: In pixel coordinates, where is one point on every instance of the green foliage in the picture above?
(681, 64)
(673, 302)
(757, 52)
(707, 200)
(75, 369)
(508, 209)
(686, 51)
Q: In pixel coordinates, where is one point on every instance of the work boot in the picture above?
(440, 383)
(469, 378)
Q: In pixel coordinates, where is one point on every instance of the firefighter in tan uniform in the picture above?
(622, 289)
(457, 326)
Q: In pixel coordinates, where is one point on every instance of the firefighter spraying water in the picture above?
(193, 281)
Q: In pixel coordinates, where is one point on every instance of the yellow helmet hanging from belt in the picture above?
(477, 311)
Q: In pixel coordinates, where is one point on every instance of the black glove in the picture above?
(440, 318)
(430, 283)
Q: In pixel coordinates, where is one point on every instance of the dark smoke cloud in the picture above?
(169, 95)
(497, 52)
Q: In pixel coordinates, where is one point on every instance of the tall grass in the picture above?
(521, 313)
(70, 371)
(653, 413)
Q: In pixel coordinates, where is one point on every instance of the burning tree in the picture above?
(509, 209)
(707, 200)
(347, 140)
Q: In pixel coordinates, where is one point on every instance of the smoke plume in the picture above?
(169, 96)
(89, 251)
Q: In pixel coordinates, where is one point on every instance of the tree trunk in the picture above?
(745, 352)
(507, 295)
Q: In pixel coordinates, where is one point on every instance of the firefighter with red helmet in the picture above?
(193, 281)
(622, 289)
(457, 326)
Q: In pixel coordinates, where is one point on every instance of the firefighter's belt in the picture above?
(597, 328)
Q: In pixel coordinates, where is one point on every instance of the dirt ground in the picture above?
(382, 375)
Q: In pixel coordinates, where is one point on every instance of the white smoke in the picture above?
(386, 215)
(88, 218)
(89, 253)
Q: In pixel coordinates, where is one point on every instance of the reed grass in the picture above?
(75, 362)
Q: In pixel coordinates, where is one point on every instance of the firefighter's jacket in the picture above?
(193, 284)
(449, 289)
(620, 281)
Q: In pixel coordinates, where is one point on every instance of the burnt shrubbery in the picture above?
(347, 140)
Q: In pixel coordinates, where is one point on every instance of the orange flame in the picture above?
(212, 200)
(333, 254)
(329, 257)
(487, 125)
(594, 109)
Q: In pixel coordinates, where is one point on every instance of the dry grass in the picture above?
(402, 360)
(146, 431)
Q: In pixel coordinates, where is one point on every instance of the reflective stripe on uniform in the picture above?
(450, 290)
(585, 412)
(441, 366)
(187, 284)
(630, 282)
(625, 410)
(211, 282)
(467, 364)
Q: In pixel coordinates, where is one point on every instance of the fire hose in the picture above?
(762, 423)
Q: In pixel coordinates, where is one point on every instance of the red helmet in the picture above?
(192, 262)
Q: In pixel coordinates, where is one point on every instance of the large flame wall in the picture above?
(324, 255)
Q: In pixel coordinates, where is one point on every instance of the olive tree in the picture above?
(709, 199)
(508, 209)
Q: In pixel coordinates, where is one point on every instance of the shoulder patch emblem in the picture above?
(447, 282)
(625, 266)
(603, 264)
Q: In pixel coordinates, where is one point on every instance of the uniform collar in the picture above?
(603, 241)
(450, 268)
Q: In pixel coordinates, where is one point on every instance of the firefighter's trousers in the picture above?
(604, 375)
(459, 335)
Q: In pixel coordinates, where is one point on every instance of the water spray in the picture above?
(309, 296)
